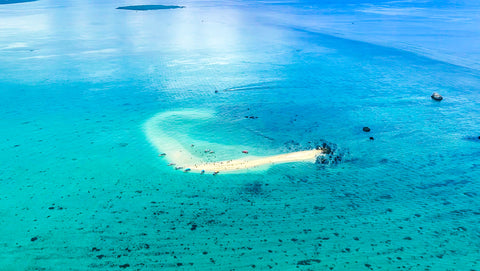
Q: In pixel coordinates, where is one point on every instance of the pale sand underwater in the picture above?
(180, 157)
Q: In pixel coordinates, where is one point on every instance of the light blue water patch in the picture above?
(82, 188)
(441, 30)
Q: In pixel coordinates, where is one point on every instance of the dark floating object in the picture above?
(437, 97)
(216, 172)
(202, 172)
(366, 129)
(187, 170)
(149, 7)
(162, 154)
(371, 138)
(5, 2)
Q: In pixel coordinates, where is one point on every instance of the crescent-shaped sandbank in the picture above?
(180, 157)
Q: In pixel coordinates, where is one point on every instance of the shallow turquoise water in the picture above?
(83, 189)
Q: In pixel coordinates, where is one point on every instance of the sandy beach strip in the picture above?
(252, 162)
(180, 157)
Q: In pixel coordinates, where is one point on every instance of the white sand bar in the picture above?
(246, 163)
(164, 139)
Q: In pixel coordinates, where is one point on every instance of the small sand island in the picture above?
(253, 162)
(190, 158)
(149, 7)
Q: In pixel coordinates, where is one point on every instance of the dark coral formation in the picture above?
(332, 153)
(472, 138)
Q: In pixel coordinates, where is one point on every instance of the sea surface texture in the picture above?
(90, 95)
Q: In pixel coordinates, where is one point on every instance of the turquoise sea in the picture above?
(82, 186)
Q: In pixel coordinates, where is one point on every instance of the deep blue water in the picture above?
(82, 188)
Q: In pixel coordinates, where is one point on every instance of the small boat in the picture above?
(203, 171)
(162, 154)
(207, 150)
(216, 172)
(171, 164)
(187, 170)
(212, 152)
(244, 151)
(177, 168)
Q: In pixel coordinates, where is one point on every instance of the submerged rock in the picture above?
(366, 129)
(308, 262)
(437, 97)
(472, 138)
(332, 154)
(254, 188)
